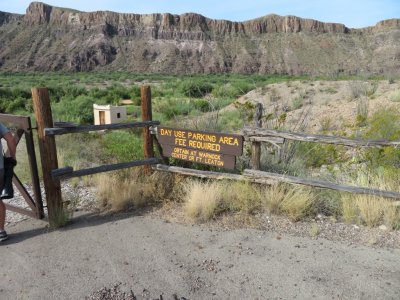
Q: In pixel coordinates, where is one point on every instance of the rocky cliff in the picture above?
(51, 38)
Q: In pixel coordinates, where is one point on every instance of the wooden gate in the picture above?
(24, 128)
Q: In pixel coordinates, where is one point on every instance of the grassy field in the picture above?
(225, 103)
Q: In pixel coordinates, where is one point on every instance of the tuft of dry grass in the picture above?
(370, 209)
(314, 230)
(272, 198)
(241, 196)
(395, 96)
(391, 215)
(295, 202)
(202, 200)
(349, 209)
(117, 194)
(123, 189)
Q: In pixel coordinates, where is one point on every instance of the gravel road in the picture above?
(157, 259)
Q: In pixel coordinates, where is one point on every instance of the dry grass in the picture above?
(314, 230)
(202, 200)
(372, 210)
(272, 198)
(293, 201)
(117, 194)
(349, 209)
(120, 190)
(297, 203)
(391, 215)
(241, 197)
(395, 96)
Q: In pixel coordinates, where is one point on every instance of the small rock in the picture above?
(383, 227)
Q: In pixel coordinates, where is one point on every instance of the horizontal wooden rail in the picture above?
(68, 172)
(198, 173)
(321, 184)
(20, 210)
(256, 133)
(267, 139)
(86, 128)
(271, 178)
(21, 121)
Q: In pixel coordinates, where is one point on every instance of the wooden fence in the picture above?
(255, 135)
(48, 151)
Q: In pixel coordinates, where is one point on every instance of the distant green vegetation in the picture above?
(73, 94)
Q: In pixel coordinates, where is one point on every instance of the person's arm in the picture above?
(12, 146)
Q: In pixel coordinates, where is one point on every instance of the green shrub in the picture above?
(195, 89)
(16, 104)
(384, 124)
(171, 108)
(123, 145)
(202, 105)
(79, 109)
(395, 96)
(316, 155)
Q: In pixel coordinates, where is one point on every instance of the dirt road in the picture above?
(152, 257)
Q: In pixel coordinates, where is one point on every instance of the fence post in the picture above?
(256, 146)
(145, 92)
(48, 153)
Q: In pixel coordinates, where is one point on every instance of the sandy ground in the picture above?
(156, 258)
(323, 105)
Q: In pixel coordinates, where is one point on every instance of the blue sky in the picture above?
(352, 13)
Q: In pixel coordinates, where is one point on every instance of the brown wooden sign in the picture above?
(231, 144)
(216, 149)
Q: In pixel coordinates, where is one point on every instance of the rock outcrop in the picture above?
(52, 38)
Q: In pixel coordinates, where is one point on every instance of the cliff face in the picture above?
(51, 38)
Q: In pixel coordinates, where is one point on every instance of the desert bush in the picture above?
(350, 212)
(370, 209)
(202, 200)
(79, 109)
(362, 111)
(295, 202)
(326, 124)
(230, 119)
(327, 202)
(315, 155)
(391, 215)
(241, 197)
(246, 110)
(202, 105)
(61, 217)
(361, 88)
(195, 89)
(298, 203)
(83, 149)
(272, 198)
(232, 90)
(173, 107)
(122, 145)
(298, 102)
(118, 193)
(395, 96)
(384, 124)
(357, 88)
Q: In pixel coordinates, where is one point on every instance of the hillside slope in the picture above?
(48, 38)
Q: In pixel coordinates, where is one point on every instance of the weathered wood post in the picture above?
(256, 146)
(145, 92)
(48, 153)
